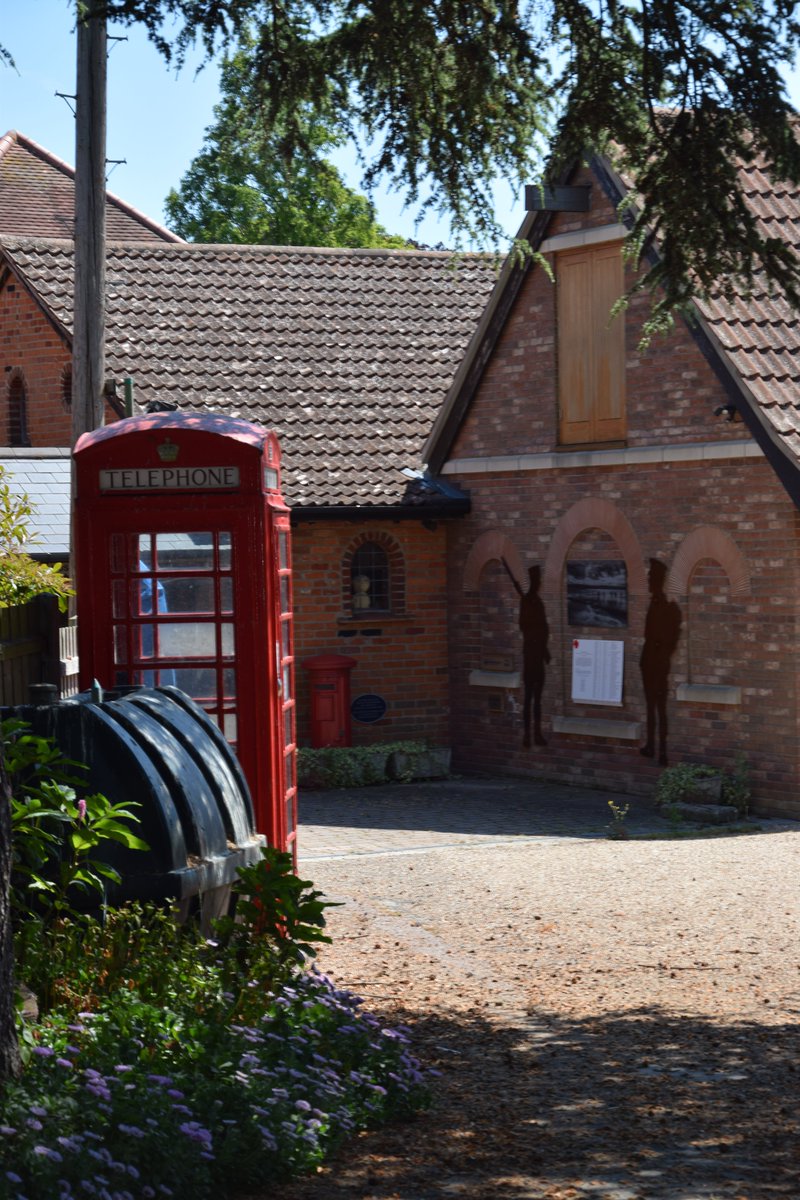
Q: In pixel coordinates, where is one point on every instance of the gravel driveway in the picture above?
(611, 1019)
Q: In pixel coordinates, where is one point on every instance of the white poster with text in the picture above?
(597, 669)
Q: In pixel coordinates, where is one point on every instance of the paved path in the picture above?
(411, 817)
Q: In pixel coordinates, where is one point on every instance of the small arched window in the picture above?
(373, 577)
(17, 413)
(66, 388)
(369, 576)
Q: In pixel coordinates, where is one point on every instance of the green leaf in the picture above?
(107, 872)
(272, 185)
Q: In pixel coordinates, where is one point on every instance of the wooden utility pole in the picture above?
(88, 346)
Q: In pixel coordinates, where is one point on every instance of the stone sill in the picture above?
(707, 693)
(495, 679)
(600, 727)
(375, 618)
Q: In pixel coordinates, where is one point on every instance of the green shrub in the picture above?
(736, 786)
(355, 766)
(341, 766)
(676, 782)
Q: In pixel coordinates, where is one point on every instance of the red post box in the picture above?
(330, 699)
(184, 578)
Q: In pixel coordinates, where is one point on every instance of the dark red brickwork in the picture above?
(401, 656)
(32, 349)
(738, 604)
(671, 390)
(745, 641)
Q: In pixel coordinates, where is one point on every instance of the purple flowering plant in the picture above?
(165, 1063)
(126, 1107)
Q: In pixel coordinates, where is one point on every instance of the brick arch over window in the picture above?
(492, 544)
(17, 410)
(396, 568)
(595, 514)
(708, 542)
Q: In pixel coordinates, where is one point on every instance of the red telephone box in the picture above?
(183, 564)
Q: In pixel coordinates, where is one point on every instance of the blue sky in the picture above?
(156, 119)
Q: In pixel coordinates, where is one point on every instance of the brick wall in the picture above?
(671, 390)
(400, 656)
(724, 530)
(735, 640)
(31, 347)
(33, 350)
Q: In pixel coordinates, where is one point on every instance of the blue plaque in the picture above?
(368, 708)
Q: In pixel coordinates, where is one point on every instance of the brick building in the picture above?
(644, 500)
(37, 199)
(346, 354)
(601, 558)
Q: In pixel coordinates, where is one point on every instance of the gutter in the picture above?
(436, 510)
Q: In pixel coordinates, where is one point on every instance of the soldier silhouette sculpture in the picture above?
(662, 629)
(535, 654)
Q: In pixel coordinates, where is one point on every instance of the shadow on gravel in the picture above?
(638, 1104)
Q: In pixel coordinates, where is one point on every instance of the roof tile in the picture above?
(761, 332)
(37, 197)
(346, 354)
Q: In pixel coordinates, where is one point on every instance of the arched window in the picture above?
(715, 627)
(369, 578)
(373, 576)
(499, 619)
(17, 413)
(66, 388)
(711, 572)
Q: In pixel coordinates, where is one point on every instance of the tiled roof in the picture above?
(44, 476)
(37, 198)
(760, 333)
(346, 354)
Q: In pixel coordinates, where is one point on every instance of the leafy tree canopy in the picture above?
(248, 185)
(455, 92)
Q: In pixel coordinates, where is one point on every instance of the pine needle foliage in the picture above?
(447, 94)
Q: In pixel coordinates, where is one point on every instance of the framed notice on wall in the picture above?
(597, 670)
(597, 593)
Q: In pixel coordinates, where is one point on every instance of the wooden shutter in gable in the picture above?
(591, 346)
(574, 346)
